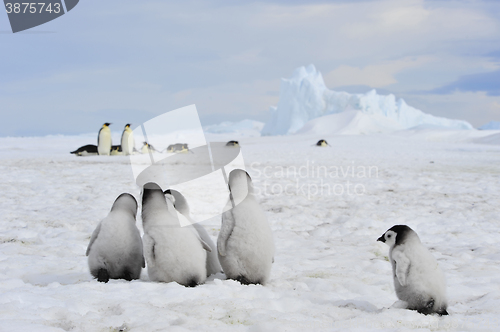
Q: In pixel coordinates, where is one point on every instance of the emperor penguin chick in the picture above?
(104, 140)
(245, 243)
(181, 205)
(173, 253)
(418, 280)
(115, 248)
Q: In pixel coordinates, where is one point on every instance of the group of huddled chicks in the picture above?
(245, 247)
(186, 255)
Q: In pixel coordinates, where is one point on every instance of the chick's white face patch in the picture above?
(390, 238)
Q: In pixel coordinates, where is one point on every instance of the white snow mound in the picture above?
(305, 96)
(350, 123)
(490, 139)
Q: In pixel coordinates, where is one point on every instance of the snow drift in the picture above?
(490, 139)
(305, 96)
(350, 123)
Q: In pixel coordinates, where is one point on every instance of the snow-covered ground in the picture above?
(327, 206)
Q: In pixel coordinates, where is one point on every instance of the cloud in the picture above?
(484, 82)
(378, 75)
(476, 107)
(227, 57)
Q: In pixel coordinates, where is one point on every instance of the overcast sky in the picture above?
(128, 60)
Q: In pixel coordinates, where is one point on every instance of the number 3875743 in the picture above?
(32, 8)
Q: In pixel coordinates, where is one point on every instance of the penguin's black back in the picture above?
(90, 148)
(321, 141)
(232, 143)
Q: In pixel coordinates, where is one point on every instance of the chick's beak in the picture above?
(381, 239)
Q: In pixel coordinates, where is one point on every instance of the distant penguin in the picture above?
(116, 150)
(86, 150)
(322, 143)
(245, 243)
(127, 141)
(418, 280)
(181, 205)
(178, 147)
(232, 143)
(104, 140)
(147, 148)
(115, 248)
(173, 253)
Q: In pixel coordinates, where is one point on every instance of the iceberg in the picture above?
(349, 123)
(492, 125)
(304, 97)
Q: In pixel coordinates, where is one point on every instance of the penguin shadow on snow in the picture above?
(357, 304)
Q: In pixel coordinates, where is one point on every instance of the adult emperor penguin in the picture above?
(104, 140)
(86, 150)
(115, 248)
(127, 142)
(417, 277)
(181, 205)
(173, 253)
(245, 243)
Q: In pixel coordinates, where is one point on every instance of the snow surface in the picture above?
(329, 274)
(451, 135)
(490, 139)
(492, 125)
(305, 96)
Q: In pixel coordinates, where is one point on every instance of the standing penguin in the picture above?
(245, 243)
(115, 248)
(127, 141)
(181, 205)
(104, 140)
(173, 253)
(418, 280)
